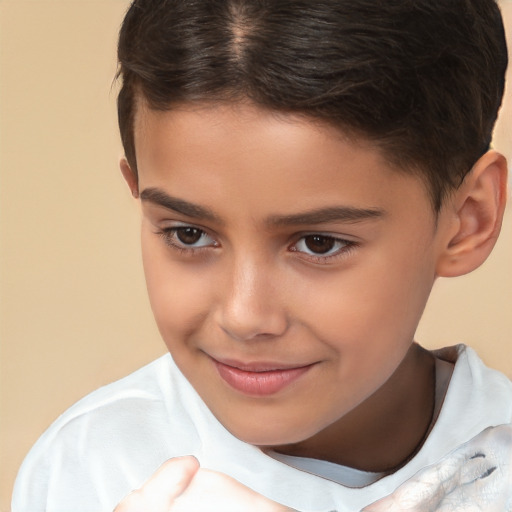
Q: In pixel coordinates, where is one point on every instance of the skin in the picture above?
(252, 293)
(474, 477)
(179, 485)
(233, 273)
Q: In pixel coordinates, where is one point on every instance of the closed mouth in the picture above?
(259, 378)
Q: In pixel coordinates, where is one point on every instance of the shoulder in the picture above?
(477, 398)
(485, 388)
(475, 476)
(106, 443)
(117, 402)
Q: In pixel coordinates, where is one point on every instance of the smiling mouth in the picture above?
(259, 379)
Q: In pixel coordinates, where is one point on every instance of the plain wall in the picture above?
(73, 307)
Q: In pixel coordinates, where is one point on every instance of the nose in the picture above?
(250, 304)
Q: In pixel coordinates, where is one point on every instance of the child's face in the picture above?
(273, 243)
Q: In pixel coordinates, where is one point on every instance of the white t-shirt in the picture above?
(110, 442)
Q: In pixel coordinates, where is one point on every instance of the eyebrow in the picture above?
(161, 198)
(348, 214)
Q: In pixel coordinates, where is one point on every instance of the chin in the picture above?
(269, 435)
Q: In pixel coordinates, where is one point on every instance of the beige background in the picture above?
(73, 309)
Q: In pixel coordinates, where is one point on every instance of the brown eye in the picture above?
(189, 235)
(319, 244)
(322, 249)
(187, 238)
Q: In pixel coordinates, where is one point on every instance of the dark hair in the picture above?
(422, 79)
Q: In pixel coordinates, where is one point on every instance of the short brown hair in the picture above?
(423, 79)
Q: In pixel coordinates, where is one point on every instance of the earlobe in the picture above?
(474, 217)
(129, 176)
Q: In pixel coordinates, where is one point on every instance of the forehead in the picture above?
(259, 159)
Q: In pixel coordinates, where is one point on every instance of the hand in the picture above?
(180, 485)
(476, 477)
(164, 486)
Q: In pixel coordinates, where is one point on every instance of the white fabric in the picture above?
(111, 441)
(352, 477)
(475, 477)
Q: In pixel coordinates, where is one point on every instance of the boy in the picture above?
(305, 170)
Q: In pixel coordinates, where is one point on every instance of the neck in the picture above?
(387, 429)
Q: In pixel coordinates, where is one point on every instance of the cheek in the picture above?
(374, 307)
(177, 294)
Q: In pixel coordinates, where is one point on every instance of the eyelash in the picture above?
(169, 237)
(347, 246)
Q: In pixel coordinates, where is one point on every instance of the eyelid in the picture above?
(168, 234)
(348, 246)
(169, 223)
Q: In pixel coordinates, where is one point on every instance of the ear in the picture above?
(130, 177)
(473, 216)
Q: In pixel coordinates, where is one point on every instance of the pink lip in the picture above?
(259, 379)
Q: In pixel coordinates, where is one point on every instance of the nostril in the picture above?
(238, 335)
(250, 323)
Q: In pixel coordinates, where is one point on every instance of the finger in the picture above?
(211, 491)
(172, 477)
(162, 488)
